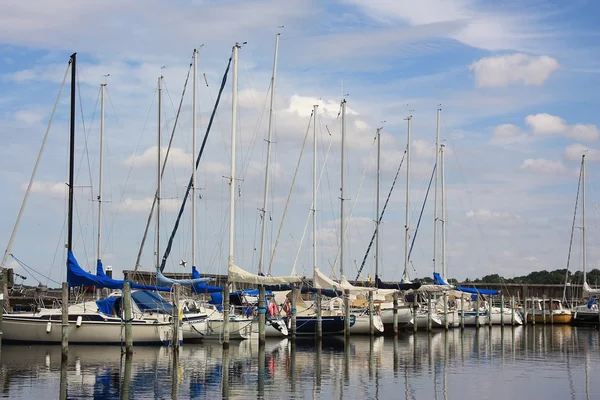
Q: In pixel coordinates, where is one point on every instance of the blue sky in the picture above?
(515, 80)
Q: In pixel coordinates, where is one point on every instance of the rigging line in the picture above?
(151, 214)
(421, 213)
(362, 265)
(287, 202)
(202, 146)
(572, 234)
(31, 269)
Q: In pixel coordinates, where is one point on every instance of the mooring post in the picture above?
(262, 310)
(512, 311)
(226, 316)
(445, 311)
(415, 312)
(428, 311)
(532, 312)
(462, 312)
(544, 310)
(551, 312)
(395, 320)
(127, 316)
(65, 321)
(293, 312)
(319, 315)
(371, 311)
(502, 310)
(347, 312)
(2, 283)
(477, 313)
(176, 319)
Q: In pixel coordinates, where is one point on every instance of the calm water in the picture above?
(541, 362)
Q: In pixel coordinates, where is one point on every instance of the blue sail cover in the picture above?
(487, 292)
(106, 306)
(163, 280)
(203, 287)
(76, 276)
(437, 279)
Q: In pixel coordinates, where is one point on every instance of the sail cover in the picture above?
(203, 287)
(76, 276)
(322, 281)
(396, 286)
(486, 292)
(588, 291)
(164, 281)
(237, 274)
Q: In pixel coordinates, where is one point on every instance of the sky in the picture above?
(514, 81)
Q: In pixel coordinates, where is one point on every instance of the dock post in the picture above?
(445, 311)
(2, 283)
(415, 312)
(65, 321)
(512, 311)
(428, 311)
(226, 316)
(319, 315)
(462, 312)
(293, 312)
(127, 317)
(489, 311)
(551, 312)
(176, 319)
(347, 312)
(532, 312)
(371, 311)
(544, 309)
(262, 310)
(395, 320)
(501, 310)
(477, 314)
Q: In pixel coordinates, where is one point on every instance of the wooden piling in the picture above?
(462, 312)
(428, 311)
(395, 320)
(262, 310)
(127, 316)
(544, 310)
(2, 283)
(512, 311)
(176, 319)
(532, 312)
(319, 315)
(347, 312)
(371, 312)
(293, 312)
(445, 311)
(65, 321)
(501, 310)
(477, 322)
(415, 312)
(226, 316)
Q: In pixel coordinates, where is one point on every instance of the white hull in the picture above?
(498, 317)
(471, 318)
(18, 329)
(423, 321)
(404, 316)
(453, 319)
(271, 331)
(362, 325)
(239, 329)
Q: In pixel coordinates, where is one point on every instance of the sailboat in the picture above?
(87, 323)
(586, 314)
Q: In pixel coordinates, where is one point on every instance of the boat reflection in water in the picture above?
(503, 361)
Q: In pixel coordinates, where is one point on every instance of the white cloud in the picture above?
(546, 124)
(425, 149)
(506, 130)
(508, 134)
(573, 152)
(51, 189)
(143, 205)
(488, 214)
(177, 158)
(504, 70)
(584, 132)
(543, 166)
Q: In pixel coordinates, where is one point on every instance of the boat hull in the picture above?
(582, 318)
(31, 330)
(563, 318)
(387, 318)
(330, 325)
(362, 325)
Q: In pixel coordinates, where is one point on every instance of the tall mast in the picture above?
(342, 189)
(443, 173)
(407, 216)
(314, 208)
(71, 153)
(158, 194)
(194, 112)
(583, 239)
(435, 191)
(377, 221)
(234, 101)
(268, 164)
(101, 178)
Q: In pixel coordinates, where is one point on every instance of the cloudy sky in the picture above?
(515, 81)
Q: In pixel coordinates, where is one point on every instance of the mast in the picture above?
(101, 178)
(583, 239)
(263, 212)
(193, 188)
(435, 192)
(314, 209)
(158, 194)
(443, 173)
(407, 215)
(342, 189)
(234, 101)
(377, 220)
(71, 153)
